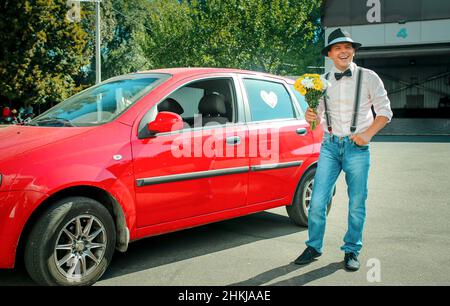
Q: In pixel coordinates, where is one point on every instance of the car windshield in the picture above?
(101, 103)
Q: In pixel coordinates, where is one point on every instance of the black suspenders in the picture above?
(327, 116)
(357, 98)
(356, 105)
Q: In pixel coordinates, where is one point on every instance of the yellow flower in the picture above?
(318, 84)
(316, 80)
(298, 84)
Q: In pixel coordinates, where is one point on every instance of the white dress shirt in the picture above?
(341, 100)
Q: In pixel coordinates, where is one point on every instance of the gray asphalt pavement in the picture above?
(407, 235)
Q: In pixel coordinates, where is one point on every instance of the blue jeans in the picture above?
(339, 154)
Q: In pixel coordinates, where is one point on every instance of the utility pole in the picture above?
(98, 60)
(71, 17)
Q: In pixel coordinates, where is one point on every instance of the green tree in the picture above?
(123, 34)
(271, 36)
(171, 36)
(124, 53)
(41, 53)
(311, 59)
(107, 26)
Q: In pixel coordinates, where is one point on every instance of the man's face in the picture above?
(342, 55)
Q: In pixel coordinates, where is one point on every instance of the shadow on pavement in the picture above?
(311, 276)
(268, 275)
(16, 277)
(300, 280)
(169, 248)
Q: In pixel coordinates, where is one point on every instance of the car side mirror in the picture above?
(165, 122)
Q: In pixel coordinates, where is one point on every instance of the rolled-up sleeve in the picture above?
(379, 97)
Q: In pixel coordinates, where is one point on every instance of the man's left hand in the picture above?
(361, 139)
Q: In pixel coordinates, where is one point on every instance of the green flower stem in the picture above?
(313, 124)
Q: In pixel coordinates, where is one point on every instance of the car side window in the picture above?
(268, 100)
(203, 103)
(301, 101)
(188, 98)
(207, 102)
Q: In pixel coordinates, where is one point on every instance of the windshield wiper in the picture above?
(51, 121)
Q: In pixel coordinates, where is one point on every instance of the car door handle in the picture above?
(302, 131)
(235, 140)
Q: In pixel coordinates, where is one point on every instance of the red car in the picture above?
(145, 154)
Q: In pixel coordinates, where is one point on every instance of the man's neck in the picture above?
(343, 69)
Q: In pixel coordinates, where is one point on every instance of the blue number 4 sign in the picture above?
(403, 33)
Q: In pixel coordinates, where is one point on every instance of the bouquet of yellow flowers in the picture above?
(312, 86)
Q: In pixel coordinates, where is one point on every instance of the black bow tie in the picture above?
(339, 76)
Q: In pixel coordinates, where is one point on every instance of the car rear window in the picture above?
(300, 99)
(268, 100)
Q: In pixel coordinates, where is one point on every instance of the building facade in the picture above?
(407, 42)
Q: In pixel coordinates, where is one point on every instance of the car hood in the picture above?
(16, 140)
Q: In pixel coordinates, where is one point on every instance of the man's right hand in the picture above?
(311, 116)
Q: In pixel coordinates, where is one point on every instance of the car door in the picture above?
(279, 137)
(192, 172)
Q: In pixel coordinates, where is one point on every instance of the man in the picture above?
(349, 127)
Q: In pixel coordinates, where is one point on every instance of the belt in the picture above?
(337, 138)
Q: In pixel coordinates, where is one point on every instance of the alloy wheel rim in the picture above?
(80, 247)
(307, 193)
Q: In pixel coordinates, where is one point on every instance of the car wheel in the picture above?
(298, 210)
(71, 244)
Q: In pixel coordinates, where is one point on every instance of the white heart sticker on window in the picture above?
(270, 99)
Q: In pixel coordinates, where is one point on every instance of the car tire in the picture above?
(298, 210)
(71, 244)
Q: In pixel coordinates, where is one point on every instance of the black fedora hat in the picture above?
(338, 36)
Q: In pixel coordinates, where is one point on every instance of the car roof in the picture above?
(183, 72)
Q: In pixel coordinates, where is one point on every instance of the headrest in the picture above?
(212, 104)
(170, 105)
